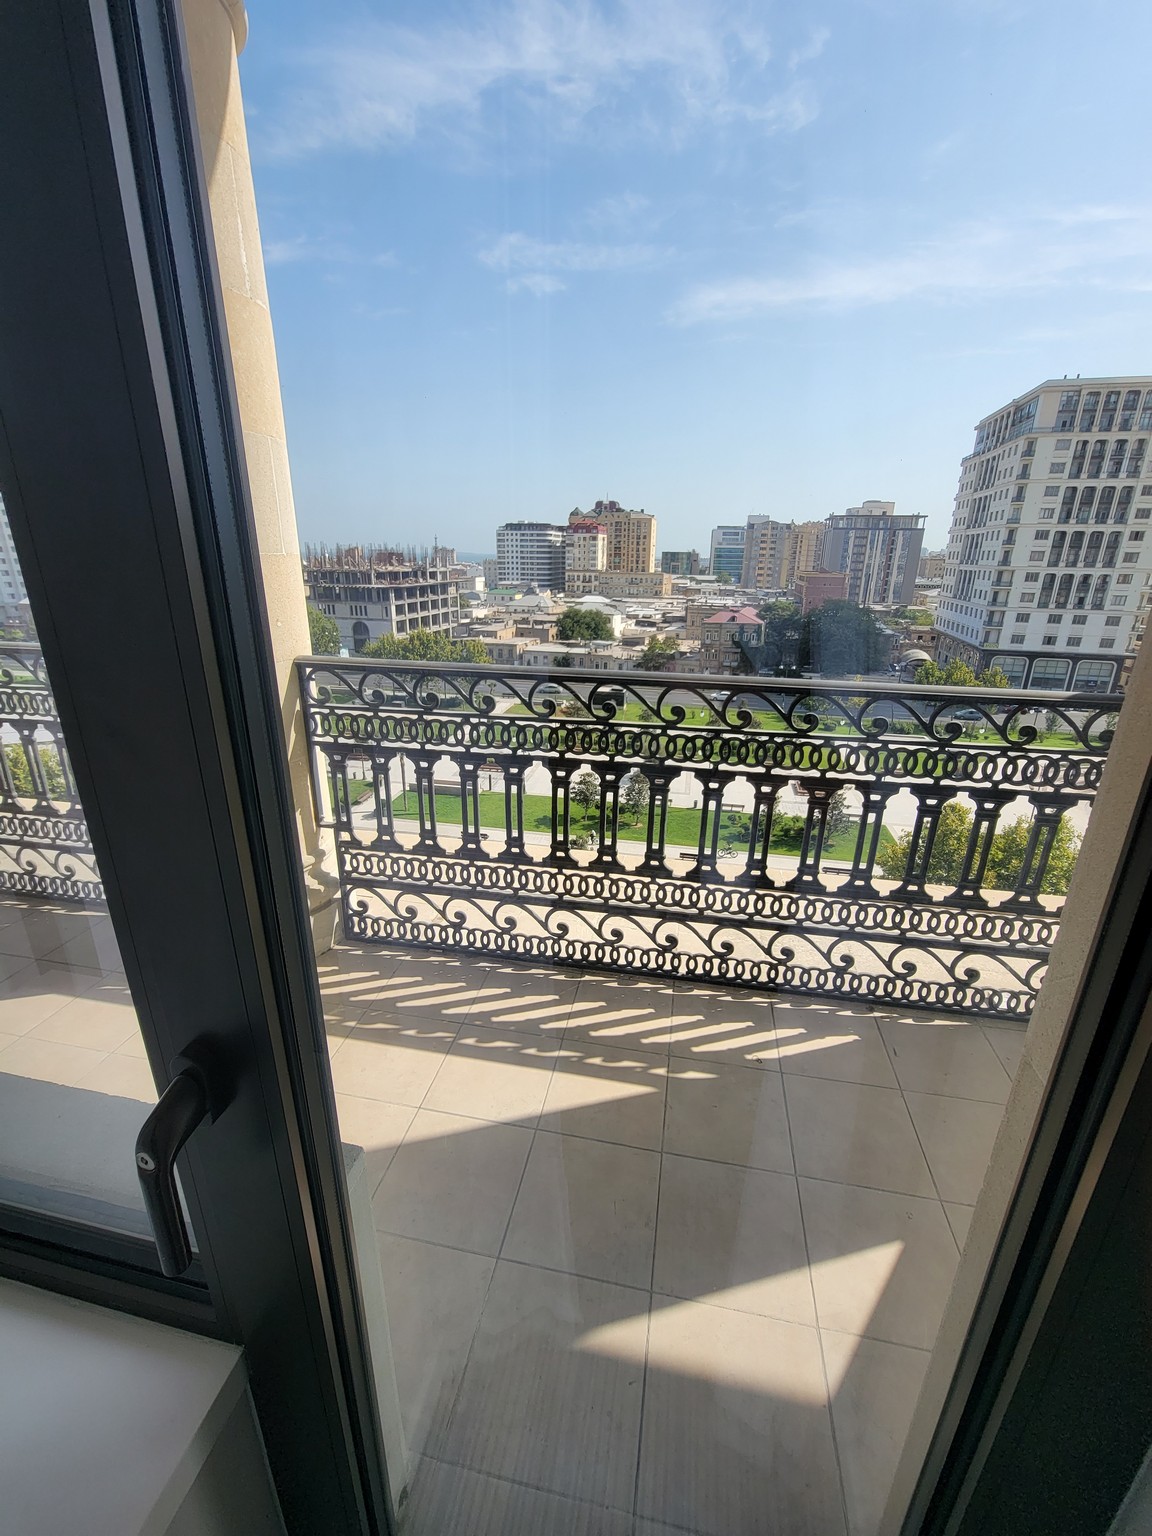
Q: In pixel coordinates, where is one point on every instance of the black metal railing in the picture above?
(45, 849)
(642, 822)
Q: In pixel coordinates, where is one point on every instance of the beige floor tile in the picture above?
(133, 1046)
(37, 991)
(48, 1061)
(396, 1063)
(1008, 1045)
(731, 1114)
(434, 1297)
(737, 1436)
(453, 1181)
(98, 948)
(125, 1077)
(403, 997)
(619, 1013)
(609, 1095)
(551, 1395)
(882, 1264)
(447, 1499)
(732, 1237)
(38, 932)
(833, 1042)
(102, 1021)
(11, 965)
(736, 1028)
(874, 1391)
(959, 1219)
(948, 1058)
(527, 999)
(494, 1075)
(588, 1207)
(852, 1133)
(376, 1127)
(957, 1135)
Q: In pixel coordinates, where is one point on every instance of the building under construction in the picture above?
(371, 591)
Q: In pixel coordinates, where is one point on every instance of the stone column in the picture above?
(216, 32)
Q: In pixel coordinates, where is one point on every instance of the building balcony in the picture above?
(675, 1108)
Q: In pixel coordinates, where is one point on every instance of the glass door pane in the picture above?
(75, 1081)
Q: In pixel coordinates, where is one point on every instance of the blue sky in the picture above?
(703, 257)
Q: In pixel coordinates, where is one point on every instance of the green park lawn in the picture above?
(683, 824)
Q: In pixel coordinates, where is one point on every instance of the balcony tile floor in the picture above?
(659, 1258)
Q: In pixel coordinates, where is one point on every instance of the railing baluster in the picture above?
(876, 798)
(970, 886)
(425, 765)
(611, 776)
(929, 805)
(1047, 812)
(470, 836)
(514, 849)
(656, 837)
(561, 850)
(711, 810)
(382, 761)
(760, 833)
(338, 778)
(807, 876)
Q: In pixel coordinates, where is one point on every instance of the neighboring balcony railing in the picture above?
(44, 845)
(641, 822)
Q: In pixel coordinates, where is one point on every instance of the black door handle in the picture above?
(180, 1109)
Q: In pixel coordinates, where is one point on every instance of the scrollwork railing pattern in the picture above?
(45, 849)
(460, 800)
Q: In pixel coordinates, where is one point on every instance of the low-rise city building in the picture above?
(373, 591)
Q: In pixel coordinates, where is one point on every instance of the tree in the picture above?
(922, 618)
(657, 653)
(323, 633)
(958, 674)
(1006, 856)
(586, 790)
(635, 795)
(584, 624)
(842, 639)
(423, 645)
(838, 818)
(783, 633)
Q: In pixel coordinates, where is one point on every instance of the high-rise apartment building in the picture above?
(530, 555)
(1049, 559)
(585, 555)
(764, 545)
(877, 550)
(726, 551)
(374, 592)
(803, 551)
(630, 536)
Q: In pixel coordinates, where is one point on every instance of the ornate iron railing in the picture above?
(45, 849)
(428, 856)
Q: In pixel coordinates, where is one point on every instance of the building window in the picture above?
(1051, 639)
(1050, 673)
(1017, 639)
(1055, 618)
(1112, 621)
(1126, 579)
(1022, 618)
(1107, 644)
(1056, 469)
(1136, 536)
(1047, 514)
(1042, 533)
(1131, 558)
(1033, 575)
(1079, 618)
(1118, 602)
(1037, 557)
(1073, 640)
(1063, 444)
(1027, 597)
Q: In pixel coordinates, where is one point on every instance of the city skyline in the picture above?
(527, 255)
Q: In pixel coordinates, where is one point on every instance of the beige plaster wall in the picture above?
(215, 31)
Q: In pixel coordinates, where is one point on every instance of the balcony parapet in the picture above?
(455, 795)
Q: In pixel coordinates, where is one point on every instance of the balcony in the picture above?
(675, 1108)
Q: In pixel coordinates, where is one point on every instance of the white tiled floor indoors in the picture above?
(658, 1258)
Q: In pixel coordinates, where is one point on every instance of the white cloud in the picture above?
(663, 66)
(812, 49)
(539, 283)
(1100, 247)
(519, 251)
(306, 248)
